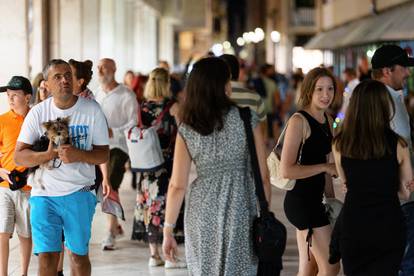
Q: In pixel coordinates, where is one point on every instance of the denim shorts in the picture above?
(71, 214)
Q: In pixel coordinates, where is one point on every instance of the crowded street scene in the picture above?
(207, 137)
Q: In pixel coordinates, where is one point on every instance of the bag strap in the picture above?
(246, 117)
(159, 118)
(157, 121)
(282, 135)
(140, 124)
(164, 111)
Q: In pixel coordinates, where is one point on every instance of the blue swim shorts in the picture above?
(70, 214)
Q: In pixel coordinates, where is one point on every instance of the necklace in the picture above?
(325, 128)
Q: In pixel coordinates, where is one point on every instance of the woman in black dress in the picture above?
(303, 205)
(374, 167)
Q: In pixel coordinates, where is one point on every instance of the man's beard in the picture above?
(400, 85)
(106, 79)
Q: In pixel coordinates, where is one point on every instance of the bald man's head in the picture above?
(164, 64)
(106, 70)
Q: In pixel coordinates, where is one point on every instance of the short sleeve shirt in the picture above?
(10, 124)
(87, 127)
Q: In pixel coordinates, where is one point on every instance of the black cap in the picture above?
(389, 55)
(18, 83)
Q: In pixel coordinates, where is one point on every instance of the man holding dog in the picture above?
(14, 204)
(67, 202)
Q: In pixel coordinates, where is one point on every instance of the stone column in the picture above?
(14, 59)
(38, 54)
(71, 27)
(166, 35)
(145, 38)
(107, 29)
(90, 30)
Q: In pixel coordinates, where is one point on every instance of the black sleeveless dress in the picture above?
(371, 225)
(303, 205)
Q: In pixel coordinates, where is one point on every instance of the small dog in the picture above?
(57, 131)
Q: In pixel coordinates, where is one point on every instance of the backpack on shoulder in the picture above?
(144, 146)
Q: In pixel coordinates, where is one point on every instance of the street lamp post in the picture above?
(275, 37)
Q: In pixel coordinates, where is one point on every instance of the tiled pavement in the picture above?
(131, 257)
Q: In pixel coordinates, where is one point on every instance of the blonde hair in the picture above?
(158, 84)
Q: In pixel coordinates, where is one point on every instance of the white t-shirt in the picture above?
(87, 127)
(120, 107)
(400, 122)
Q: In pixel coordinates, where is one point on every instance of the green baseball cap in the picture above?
(18, 83)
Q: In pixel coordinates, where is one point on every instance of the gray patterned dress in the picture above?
(221, 202)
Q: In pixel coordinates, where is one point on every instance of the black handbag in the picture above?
(269, 234)
(18, 179)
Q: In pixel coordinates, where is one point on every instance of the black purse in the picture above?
(18, 179)
(269, 234)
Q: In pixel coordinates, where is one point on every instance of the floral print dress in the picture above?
(152, 186)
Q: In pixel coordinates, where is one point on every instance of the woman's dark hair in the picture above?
(233, 64)
(206, 101)
(83, 71)
(367, 121)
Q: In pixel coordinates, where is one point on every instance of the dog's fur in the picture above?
(58, 132)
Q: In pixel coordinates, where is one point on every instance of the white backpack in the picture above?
(144, 146)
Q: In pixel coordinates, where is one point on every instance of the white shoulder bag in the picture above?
(273, 160)
(144, 146)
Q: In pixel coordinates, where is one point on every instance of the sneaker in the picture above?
(108, 243)
(177, 264)
(153, 262)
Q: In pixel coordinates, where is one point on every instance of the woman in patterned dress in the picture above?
(152, 186)
(221, 201)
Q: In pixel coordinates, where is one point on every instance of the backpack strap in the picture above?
(157, 121)
(140, 124)
(163, 112)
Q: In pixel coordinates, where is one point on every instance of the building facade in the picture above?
(296, 21)
(135, 33)
(364, 26)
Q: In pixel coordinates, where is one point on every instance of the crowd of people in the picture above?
(198, 123)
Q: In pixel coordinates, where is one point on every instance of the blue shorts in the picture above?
(70, 214)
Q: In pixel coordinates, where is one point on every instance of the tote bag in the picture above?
(273, 161)
(144, 146)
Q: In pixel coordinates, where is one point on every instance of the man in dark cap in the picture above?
(390, 66)
(14, 204)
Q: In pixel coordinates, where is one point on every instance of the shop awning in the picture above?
(328, 39)
(402, 27)
(392, 25)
